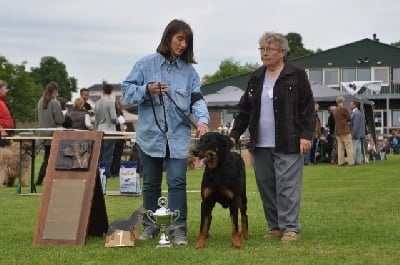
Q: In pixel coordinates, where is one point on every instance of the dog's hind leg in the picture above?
(235, 227)
(244, 219)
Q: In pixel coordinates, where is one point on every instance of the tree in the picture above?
(228, 68)
(51, 69)
(23, 91)
(296, 46)
(396, 44)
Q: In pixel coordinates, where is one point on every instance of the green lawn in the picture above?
(349, 215)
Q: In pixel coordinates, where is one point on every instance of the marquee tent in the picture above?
(229, 96)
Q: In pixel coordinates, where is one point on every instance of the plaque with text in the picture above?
(64, 209)
(72, 204)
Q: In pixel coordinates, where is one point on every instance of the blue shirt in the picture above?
(182, 80)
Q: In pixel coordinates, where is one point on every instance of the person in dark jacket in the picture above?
(278, 109)
(332, 144)
(80, 118)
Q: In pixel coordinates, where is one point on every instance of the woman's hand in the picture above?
(156, 88)
(202, 128)
(305, 146)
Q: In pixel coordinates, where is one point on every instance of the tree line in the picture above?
(26, 87)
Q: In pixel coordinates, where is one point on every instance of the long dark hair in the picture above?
(174, 27)
(48, 93)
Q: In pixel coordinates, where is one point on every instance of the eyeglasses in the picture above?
(268, 50)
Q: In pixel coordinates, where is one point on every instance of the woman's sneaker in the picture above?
(180, 240)
(149, 232)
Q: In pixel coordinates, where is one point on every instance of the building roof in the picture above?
(365, 52)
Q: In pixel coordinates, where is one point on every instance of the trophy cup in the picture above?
(163, 218)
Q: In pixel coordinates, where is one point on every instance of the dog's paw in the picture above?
(201, 242)
(236, 244)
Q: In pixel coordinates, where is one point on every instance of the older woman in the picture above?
(163, 133)
(278, 109)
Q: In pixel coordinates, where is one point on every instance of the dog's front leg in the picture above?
(205, 223)
(235, 227)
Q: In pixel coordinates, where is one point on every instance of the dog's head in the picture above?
(213, 147)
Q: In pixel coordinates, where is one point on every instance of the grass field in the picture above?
(349, 215)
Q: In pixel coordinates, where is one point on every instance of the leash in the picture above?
(162, 103)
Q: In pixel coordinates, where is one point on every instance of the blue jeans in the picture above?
(176, 181)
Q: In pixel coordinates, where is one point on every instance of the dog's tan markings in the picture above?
(207, 192)
(229, 194)
(235, 236)
(245, 230)
(201, 239)
(211, 162)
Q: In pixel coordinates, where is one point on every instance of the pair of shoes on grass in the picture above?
(177, 240)
(287, 237)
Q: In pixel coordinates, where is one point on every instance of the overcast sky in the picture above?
(101, 40)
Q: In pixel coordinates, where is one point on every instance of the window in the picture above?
(315, 76)
(331, 77)
(381, 74)
(396, 75)
(348, 74)
(363, 74)
(396, 118)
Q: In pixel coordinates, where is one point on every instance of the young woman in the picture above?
(50, 115)
(166, 88)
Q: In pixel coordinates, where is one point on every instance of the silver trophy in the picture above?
(163, 218)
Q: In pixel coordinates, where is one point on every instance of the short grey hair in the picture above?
(278, 39)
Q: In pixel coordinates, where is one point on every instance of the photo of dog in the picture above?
(224, 181)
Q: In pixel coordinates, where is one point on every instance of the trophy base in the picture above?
(164, 241)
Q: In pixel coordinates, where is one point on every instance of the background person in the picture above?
(49, 114)
(80, 118)
(278, 109)
(372, 151)
(163, 132)
(6, 117)
(394, 141)
(85, 95)
(317, 135)
(106, 120)
(342, 132)
(332, 142)
(119, 144)
(357, 128)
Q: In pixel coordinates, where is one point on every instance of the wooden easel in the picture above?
(72, 204)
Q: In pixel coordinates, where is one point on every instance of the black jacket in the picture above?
(294, 110)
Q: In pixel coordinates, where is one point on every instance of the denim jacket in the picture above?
(183, 81)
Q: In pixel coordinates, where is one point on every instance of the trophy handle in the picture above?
(150, 215)
(176, 215)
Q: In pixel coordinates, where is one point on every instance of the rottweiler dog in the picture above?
(224, 181)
